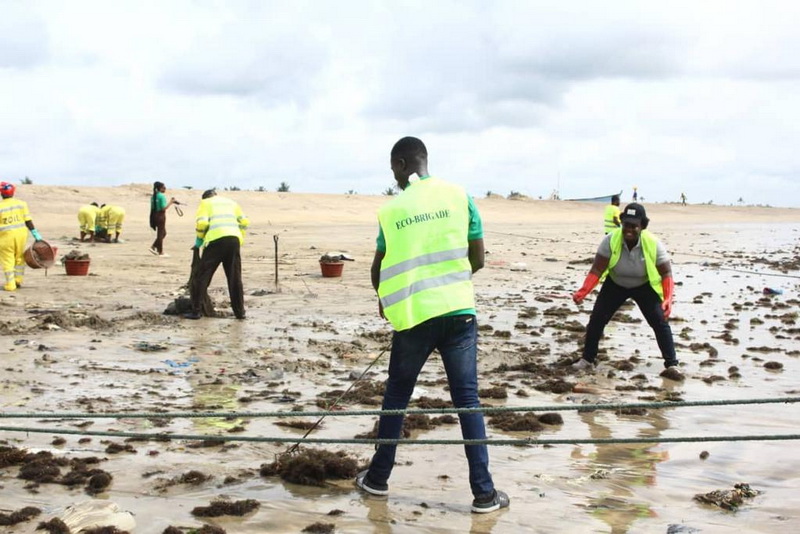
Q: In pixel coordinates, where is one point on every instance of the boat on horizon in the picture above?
(604, 198)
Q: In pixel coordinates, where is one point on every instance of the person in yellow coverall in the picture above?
(109, 219)
(14, 223)
(87, 218)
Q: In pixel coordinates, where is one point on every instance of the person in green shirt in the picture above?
(158, 216)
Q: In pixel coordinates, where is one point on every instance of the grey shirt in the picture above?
(630, 270)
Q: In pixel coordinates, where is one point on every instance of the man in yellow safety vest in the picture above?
(15, 220)
(611, 216)
(430, 242)
(220, 226)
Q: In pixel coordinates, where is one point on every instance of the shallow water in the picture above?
(616, 488)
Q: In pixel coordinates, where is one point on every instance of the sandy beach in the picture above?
(101, 343)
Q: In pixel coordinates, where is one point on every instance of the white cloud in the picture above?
(23, 37)
(698, 97)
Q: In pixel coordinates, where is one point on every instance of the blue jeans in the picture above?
(456, 337)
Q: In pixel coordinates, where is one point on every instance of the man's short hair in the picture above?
(410, 148)
(615, 199)
(208, 193)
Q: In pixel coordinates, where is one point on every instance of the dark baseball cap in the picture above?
(208, 193)
(634, 213)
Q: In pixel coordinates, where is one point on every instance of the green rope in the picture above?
(483, 409)
(368, 441)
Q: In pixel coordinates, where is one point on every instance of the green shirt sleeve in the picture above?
(380, 242)
(475, 224)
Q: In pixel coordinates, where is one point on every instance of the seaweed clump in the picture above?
(222, 507)
(312, 467)
(24, 514)
(728, 499)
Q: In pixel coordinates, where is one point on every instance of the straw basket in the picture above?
(331, 269)
(77, 267)
(40, 255)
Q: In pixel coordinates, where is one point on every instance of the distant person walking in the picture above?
(220, 228)
(87, 219)
(634, 264)
(15, 220)
(683, 199)
(429, 245)
(158, 216)
(635, 194)
(611, 215)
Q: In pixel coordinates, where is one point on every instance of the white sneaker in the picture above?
(582, 365)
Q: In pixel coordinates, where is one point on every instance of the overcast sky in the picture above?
(586, 97)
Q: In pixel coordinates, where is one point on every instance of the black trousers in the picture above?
(611, 297)
(160, 220)
(224, 250)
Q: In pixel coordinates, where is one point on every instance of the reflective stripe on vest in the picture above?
(219, 217)
(426, 271)
(649, 250)
(612, 212)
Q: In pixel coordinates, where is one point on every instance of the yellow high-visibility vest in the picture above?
(426, 271)
(611, 214)
(649, 248)
(220, 217)
(13, 214)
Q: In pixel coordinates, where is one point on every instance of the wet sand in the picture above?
(101, 344)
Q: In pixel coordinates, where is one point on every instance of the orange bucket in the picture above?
(77, 267)
(331, 269)
(40, 255)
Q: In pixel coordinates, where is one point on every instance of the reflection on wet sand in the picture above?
(216, 396)
(212, 390)
(622, 467)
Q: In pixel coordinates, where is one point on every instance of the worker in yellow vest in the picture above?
(87, 219)
(15, 221)
(109, 220)
(636, 265)
(220, 226)
(611, 216)
(429, 244)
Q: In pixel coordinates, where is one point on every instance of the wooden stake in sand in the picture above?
(275, 238)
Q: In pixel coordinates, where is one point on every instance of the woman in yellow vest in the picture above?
(87, 219)
(430, 243)
(635, 265)
(15, 221)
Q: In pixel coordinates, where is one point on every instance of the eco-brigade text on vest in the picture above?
(422, 217)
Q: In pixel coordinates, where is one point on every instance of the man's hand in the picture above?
(380, 309)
